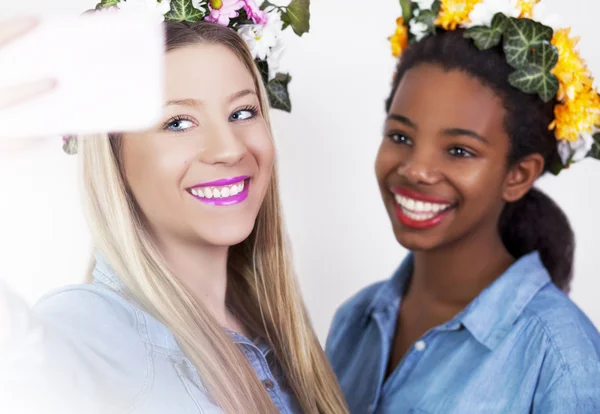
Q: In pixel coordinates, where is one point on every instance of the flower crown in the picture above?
(261, 28)
(546, 62)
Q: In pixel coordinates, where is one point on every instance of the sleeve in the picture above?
(565, 391)
(75, 348)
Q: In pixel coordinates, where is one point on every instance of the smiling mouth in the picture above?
(418, 210)
(222, 195)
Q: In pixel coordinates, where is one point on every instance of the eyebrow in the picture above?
(452, 132)
(456, 132)
(195, 103)
(403, 119)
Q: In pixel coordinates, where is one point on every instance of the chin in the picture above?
(227, 235)
(417, 242)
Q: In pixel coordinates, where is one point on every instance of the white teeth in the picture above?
(219, 192)
(419, 210)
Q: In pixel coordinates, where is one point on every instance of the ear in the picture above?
(522, 176)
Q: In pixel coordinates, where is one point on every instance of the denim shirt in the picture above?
(88, 349)
(520, 347)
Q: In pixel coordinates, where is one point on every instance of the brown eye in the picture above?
(400, 139)
(460, 152)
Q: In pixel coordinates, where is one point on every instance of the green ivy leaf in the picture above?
(263, 68)
(436, 6)
(520, 36)
(297, 15)
(70, 144)
(487, 37)
(184, 11)
(407, 10)
(279, 97)
(107, 3)
(535, 76)
(595, 151)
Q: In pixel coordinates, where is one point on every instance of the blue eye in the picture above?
(400, 139)
(244, 114)
(179, 125)
(460, 152)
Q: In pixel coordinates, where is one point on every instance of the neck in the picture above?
(455, 274)
(203, 271)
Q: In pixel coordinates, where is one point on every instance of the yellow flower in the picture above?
(571, 71)
(577, 116)
(399, 39)
(526, 7)
(455, 12)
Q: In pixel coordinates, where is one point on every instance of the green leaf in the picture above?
(263, 68)
(427, 17)
(535, 76)
(183, 11)
(70, 144)
(279, 97)
(520, 36)
(107, 3)
(595, 151)
(407, 10)
(487, 37)
(297, 15)
(436, 6)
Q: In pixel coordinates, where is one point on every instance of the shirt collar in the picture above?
(490, 315)
(105, 274)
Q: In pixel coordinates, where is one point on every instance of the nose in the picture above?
(422, 168)
(221, 145)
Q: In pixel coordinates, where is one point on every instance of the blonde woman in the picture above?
(193, 305)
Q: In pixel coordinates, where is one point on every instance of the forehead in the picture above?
(204, 72)
(451, 97)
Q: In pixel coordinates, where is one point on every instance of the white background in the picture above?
(340, 232)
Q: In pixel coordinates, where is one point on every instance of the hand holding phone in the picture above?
(74, 75)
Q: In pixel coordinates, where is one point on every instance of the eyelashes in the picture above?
(455, 151)
(182, 123)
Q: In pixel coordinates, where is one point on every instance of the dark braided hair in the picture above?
(535, 222)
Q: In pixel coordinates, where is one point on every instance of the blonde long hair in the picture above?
(261, 286)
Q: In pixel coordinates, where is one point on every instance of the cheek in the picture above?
(260, 144)
(480, 183)
(153, 173)
(388, 159)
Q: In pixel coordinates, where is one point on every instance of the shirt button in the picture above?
(420, 346)
(269, 385)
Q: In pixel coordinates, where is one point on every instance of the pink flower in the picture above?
(221, 11)
(254, 12)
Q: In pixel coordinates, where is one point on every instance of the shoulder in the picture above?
(94, 336)
(350, 313)
(571, 367)
(85, 309)
(564, 325)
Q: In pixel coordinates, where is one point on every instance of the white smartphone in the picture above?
(109, 70)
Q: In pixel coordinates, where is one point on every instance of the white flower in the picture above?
(582, 147)
(261, 39)
(274, 58)
(146, 6)
(418, 29)
(542, 14)
(576, 151)
(424, 4)
(483, 13)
